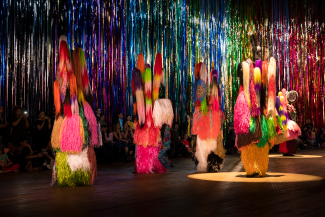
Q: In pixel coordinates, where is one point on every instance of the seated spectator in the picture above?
(28, 160)
(187, 127)
(5, 164)
(104, 152)
(43, 129)
(108, 135)
(127, 135)
(20, 125)
(3, 125)
(302, 139)
(49, 156)
(320, 138)
(98, 113)
(175, 141)
(311, 138)
(102, 121)
(187, 146)
(309, 125)
(121, 143)
(129, 122)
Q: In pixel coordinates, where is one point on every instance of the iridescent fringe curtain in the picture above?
(113, 32)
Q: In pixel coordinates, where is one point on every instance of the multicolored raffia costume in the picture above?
(290, 130)
(151, 114)
(207, 121)
(75, 130)
(254, 137)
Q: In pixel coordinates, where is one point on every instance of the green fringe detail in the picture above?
(252, 125)
(65, 177)
(147, 75)
(204, 107)
(271, 129)
(84, 123)
(263, 140)
(82, 58)
(279, 121)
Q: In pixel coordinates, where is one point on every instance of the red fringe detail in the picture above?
(141, 135)
(271, 89)
(85, 78)
(158, 65)
(197, 70)
(253, 99)
(140, 63)
(283, 148)
(57, 98)
(241, 114)
(153, 136)
(67, 110)
(195, 124)
(73, 86)
(216, 124)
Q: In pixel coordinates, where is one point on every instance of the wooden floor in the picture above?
(119, 192)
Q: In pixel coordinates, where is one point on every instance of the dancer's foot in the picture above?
(254, 175)
(290, 155)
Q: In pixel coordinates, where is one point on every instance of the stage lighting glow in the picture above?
(295, 156)
(241, 177)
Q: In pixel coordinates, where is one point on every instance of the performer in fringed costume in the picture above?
(75, 130)
(253, 136)
(207, 121)
(289, 131)
(152, 142)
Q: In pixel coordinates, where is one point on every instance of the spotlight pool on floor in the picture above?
(295, 156)
(241, 177)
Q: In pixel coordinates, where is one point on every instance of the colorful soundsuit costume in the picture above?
(253, 137)
(75, 130)
(207, 120)
(288, 129)
(152, 143)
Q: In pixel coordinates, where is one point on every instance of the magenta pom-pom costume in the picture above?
(147, 135)
(241, 114)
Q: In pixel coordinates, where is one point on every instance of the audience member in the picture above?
(19, 125)
(187, 151)
(102, 153)
(309, 125)
(49, 156)
(127, 135)
(187, 128)
(3, 125)
(102, 121)
(43, 130)
(121, 143)
(28, 160)
(176, 145)
(98, 113)
(120, 120)
(129, 122)
(5, 164)
(111, 154)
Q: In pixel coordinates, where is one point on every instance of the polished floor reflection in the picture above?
(293, 187)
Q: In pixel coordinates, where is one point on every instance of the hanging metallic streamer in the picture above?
(113, 32)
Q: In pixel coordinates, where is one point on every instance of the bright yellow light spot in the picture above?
(295, 156)
(241, 177)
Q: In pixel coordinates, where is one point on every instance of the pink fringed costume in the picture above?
(75, 131)
(147, 134)
(288, 140)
